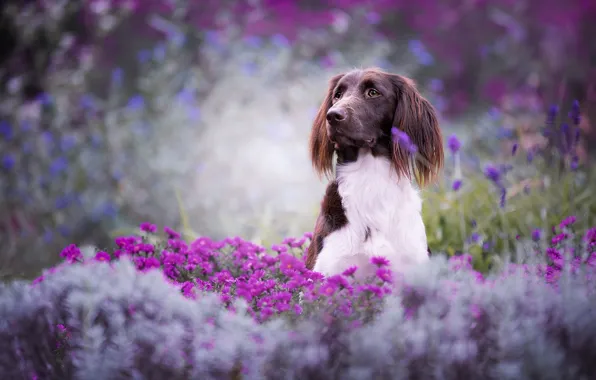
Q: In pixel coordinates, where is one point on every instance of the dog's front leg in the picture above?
(339, 249)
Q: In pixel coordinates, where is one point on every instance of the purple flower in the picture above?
(297, 243)
(514, 149)
(38, 280)
(575, 112)
(351, 270)
(71, 253)
(279, 248)
(329, 288)
(152, 262)
(148, 227)
(379, 261)
(567, 221)
(492, 173)
(558, 238)
(453, 144)
(369, 288)
(102, 256)
(503, 197)
(536, 234)
(171, 233)
(456, 185)
(404, 140)
(385, 275)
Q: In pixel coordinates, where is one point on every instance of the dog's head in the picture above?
(360, 110)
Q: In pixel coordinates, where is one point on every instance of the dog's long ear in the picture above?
(416, 117)
(321, 149)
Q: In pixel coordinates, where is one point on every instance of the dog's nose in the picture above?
(336, 115)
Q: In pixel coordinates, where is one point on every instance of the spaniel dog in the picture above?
(371, 207)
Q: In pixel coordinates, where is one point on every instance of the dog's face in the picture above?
(362, 108)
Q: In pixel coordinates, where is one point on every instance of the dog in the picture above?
(386, 137)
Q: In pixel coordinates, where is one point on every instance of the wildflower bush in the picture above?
(159, 307)
(487, 203)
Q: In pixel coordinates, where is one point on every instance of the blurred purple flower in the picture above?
(558, 238)
(8, 161)
(502, 197)
(102, 256)
(514, 149)
(453, 144)
(6, 130)
(171, 233)
(350, 271)
(148, 227)
(71, 253)
(492, 173)
(575, 113)
(280, 40)
(536, 234)
(403, 140)
(419, 51)
(567, 221)
(436, 85)
(117, 76)
(384, 275)
(136, 102)
(552, 114)
(379, 261)
(456, 184)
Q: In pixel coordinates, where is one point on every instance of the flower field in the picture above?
(195, 115)
(158, 307)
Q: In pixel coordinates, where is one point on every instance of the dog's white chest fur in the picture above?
(375, 200)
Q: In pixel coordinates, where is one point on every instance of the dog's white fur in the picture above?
(374, 196)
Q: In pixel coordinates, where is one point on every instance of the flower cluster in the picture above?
(242, 311)
(276, 282)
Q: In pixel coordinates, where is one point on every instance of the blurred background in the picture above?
(196, 114)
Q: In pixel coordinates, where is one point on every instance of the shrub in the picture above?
(230, 309)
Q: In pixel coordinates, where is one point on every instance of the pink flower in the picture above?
(379, 261)
(350, 271)
(148, 227)
(102, 256)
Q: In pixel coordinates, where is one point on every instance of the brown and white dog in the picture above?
(371, 207)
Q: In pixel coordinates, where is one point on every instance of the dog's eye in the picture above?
(337, 95)
(371, 92)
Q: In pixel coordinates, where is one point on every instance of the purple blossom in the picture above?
(454, 144)
(71, 253)
(567, 222)
(351, 270)
(403, 140)
(102, 256)
(384, 275)
(171, 233)
(148, 227)
(379, 261)
(492, 173)
(456, 184)
(536, 234)
(558, 238)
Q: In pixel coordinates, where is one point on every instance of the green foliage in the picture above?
(470, 220)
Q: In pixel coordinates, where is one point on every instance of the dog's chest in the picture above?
(383, 211)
